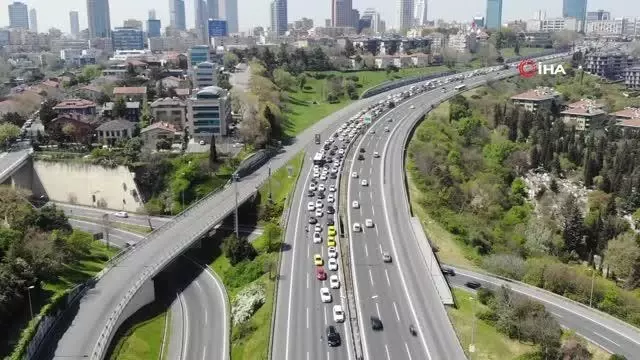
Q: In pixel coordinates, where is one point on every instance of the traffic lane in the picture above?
(196, 336)
(116, 236)
(88, 212)
(588, 328)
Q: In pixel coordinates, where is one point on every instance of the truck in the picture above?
(318, 139)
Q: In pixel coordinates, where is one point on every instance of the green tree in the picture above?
(70, 131)
(302, 81)
(213, 152)
(47, 114)
(145, 118)
(119, 108)
(131, 149)
(238, 249)
(623, 257)
(14, 118)
(230, 60)
(283, 79)
(223, 80)
(516, 48)
(8, 132)
(573, 226)
(51, 218)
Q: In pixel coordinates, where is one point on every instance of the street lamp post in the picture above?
(235, 190)
(29, 296)
(269, 182)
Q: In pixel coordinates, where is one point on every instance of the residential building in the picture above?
(208, 111)
(33, 21)
(205, 74)
(131, 114)
(127, 38)
(78, 106)
(153, 134)
(584, 114)
(231, 15)
(89, 92)
(154, 27)
(598, 15)
(494, 14)
(178, 19)
(478, 22)
(83, 126)
(213, 8)
(99, 18)
(420, 13)
(628, 117)
(341, 13)
(131, 94)
(437, 42)
(384, 61)
(18, 15)
(405, 15)
(75, 23)
(533, 100)
(279, 17)
(537, 39)
(608, 65)
(462, 42)
(632, 77)
(553, 24)
(420, 59)
(114, 130)
(171, 111)
(576, 9)
(198, 54)
(132, 23)
(608, 27)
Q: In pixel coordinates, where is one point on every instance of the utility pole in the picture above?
(269, 180)
(30, 304)
(105, 228)
(235, 190)
(472, 345)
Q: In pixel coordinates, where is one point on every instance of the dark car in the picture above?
(390, 120)
(332, 152)
(331, 210)
(330, 222)
(312, 220)
(333, 338)
(360, 157)
(333, 176)
(448, 271)
(311, 193)
(335, 147)
(376, 324)
(473, 284)
(361, 150)
(321, 195)
(326, 147)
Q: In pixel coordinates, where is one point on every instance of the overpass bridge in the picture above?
(16, 170)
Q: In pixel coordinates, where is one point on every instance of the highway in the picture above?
(97, 213)
(9, 161)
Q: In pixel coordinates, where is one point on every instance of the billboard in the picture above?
(217, 28)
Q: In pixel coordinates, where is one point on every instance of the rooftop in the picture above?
(130, 105)
(162, 126)
(628, 113)
(585, 103)
(117, 124)
(168, 102)
(585, 108)
(539, 94)
(74, 104)
(140, 90)
(89, 120)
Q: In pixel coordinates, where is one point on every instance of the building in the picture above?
(201, 21)
(33, 21)
(494, 14)
(478, 22)
(279, 17)
(132, 113)
(213, 8)
(533, 100)
(75, 23)
(99, 18)
(608, 27)
(607, 65)
(132, 23)
(405, 15)
(114, 130)
(208, 111)
(374, 19)
(205, 74)
(170, 111)
(553, 24)
(198, 54)
(154, 134)
(127, 38)
(231, 15)
(632, 77)
(576, 9)
(83, 126)
(154, 27)
(584, 114)
(420, 13)
(462, 42)
(138, 94)
(341, 13)
(628, 117)
(18, 15)
(76, 106)
(598, 15)
(178, 19)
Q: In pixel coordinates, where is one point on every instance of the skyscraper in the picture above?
(75, 23)
(201, 17)
(214, 9)
(99, 18)
(154, 27)
(177, 15)
(279, 17)
(18, 15)
(231, 15)
(405, 15)
(33, 20)
(575, 9)
(420, 13)
(493, 20)
(342, 13)
(598, 15)
(152, 14)
(374, 17)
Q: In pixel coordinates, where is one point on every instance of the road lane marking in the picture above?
(606, 338)
(307, 355)
(380, 248)
(185, 321)
(595, 342)
(556, 314)
(327, 355)
(324, 308)
(378, 311)
(371, 195)
(377, 233)
(370, 277)
(406, 347)
(308, 250)
(366, 250)
(370, 171)
(373, 210)
(204, 352)
(386, 349)
(359, 195)
(307, 280)
(307, 317)
(395, 308)
(386, 273)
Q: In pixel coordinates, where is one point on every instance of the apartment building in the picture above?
(632, 77)
(462, 42)
(536, 99)
(608, 65)
(628, 117)
(77, 106)
(208, 112)
(170, 111)
(584, 114)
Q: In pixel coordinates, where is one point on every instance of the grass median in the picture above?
(141, 336)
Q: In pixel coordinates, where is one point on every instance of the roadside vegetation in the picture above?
(141, 336)
(41, 257)
(524, 196)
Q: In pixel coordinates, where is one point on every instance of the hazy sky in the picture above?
(55, 13)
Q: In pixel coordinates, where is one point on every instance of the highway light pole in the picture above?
(29, 296)
(269, 184)
(105, 228)
(235, 190)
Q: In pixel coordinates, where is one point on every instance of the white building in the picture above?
(462, 42)
(405, 16)
(208, 111)
(420, 13)
(205, 74)
(553, 24)
(609, 27)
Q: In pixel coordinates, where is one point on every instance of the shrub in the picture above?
(247, 302)
(244, 273)
(507, 265)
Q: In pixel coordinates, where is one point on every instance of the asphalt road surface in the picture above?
(97, 214)
(8, 160)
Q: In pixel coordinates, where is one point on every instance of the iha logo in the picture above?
(529, 68)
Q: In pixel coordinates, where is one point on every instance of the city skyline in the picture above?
(459, 10)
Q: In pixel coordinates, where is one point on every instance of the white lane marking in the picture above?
(185, 334)
(378, 311)
(556, 314)
(291, 272)
(406, 347)
(386, 349)
(371, 277)
(366, 250)
(380, 248)
(327, 355)
(308, 250)
(595, 342)
(324, 308)
(307, 355)
(373, 210)
(371, 195)
(307, 280)
(386, 273)
(395, 308)
(377, 232)
(204, 352)
(208, 270)
(307, 317)
(206, 313)
(359, 195)
(606, 338)
(370, 171)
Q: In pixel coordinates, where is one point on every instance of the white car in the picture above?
(375, 154)
(311, 206)
(316, 174)
(313, 187)
(412, 107)
(338, 313)
(334, 170)
(323, 177)
(355, 204)
(317, 238)
(332, 252)
(330, 198)
(364, 182)
(317, 228)
(321, 187)
(318, 204)
(368, 223)
(341, 151)
(121, 214)
(386, 129)
(332, 264)
(319, 212)
(325, 295)
(357, 227)
(354, 175)
(332, 188)
(334, 281)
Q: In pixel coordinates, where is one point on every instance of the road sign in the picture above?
(367, 119)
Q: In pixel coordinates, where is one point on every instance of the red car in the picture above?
(320, 273)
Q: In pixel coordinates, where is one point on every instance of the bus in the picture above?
(460, 87)
(318, 159)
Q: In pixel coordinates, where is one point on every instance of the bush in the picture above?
(247, 302)
(507, 265)
(485, 296)
(244, 273)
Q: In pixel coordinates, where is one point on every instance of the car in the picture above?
(362, 150)
(321, 187)
(333, 264)
(317, 260)
(330, 198)
(386, 257)
(319, 212)
(357, 227)
(121, 214)
(360, 157)
(330, 222)
(320, 195)
(364, 182)
(325, 295)
(376, 323)
(316, 174)
(372, 132)
(333, 338)
(354, 175)
(313, 187)
(448, 271)
(318, 204)
(390, 120)
(317, 238)
(376, 154)
(386, 129)
(332, 188)
(331, 230)
(338, 313)
(317, 228)
(334, 281)
(473, 284)
(412, 107)
(331, 210)
(368, 223)
(355, 204)
(332, 252)
(331, 241)
(334, 170)
(333, 176)
(323, 177)
(312, 220)
(311, 206)
(311, 193)
(320, 273)
(201, 142)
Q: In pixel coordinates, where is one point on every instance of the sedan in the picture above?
(375, 154)
(448, 271)
(318, 228)
(331, 241)
(317, 260)
(412, 107)
(354, 175)
(332, 252)
(321, 187)
(355, 204)
(330, 198)
(357, 227)
(311, 206)
(121, 214)
(331, 230)
(334, 170)
(333, 176)
(311, 193)
(317, 238)
(331, 210)
(332, 188)
(338, 313)
(376, 324)
(312, 187)
(323, 177)
(360, 157)
(473, 284)
(319, 213)
(320, 273)
(325, 295)
(334, 281)
(364, 182)
(386, 257)
(333, 264)
(318, 204)
(368, 223)
(312, 220)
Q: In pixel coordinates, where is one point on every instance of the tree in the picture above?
(349, 50)
(283, 79)
(223, 80)
(302, 81)
(131, 149)
(47, 114)
(516, 48)
(230, 60)
(575, 349)
(573, 226)
(8, 132)
(51, 218)
(213, 152)
(238, 249)
(119, 108)
(145, 118)
(14, 118)
(623, 257)
(163, 144)
(69, 130)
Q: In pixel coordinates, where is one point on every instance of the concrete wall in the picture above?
(77, 183)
